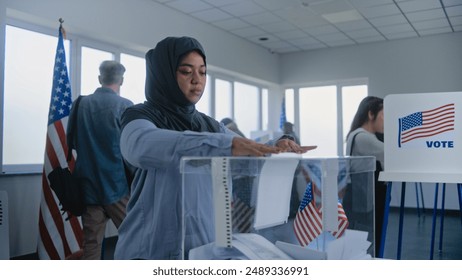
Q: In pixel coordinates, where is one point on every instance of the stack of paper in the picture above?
(352, 245)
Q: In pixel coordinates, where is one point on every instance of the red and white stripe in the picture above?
(60, 234)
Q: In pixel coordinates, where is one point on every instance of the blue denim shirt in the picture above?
(153, 227)
(99, 161)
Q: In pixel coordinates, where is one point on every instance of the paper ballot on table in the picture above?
(273, 192)
(353, 246)
(298, 252)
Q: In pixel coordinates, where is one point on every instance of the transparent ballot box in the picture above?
(283, 207)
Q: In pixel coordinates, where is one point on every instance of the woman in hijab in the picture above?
(155, 136)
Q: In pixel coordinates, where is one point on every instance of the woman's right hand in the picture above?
(246, 147)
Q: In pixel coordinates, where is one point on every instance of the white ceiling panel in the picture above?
(244, 8)
(380, 11)
(248, 32)
(290, 35)
(262, 18)
(277, 27)
(431, 24)
(300, 25)
(370, 3)
(231, 24)
(426, 15)
(188, 6)
(211, 15)
(454, 10)
(419, 5)
(435, 31)
(456, 20)
(353, 25)
(388, 20)
(363, 33)
(402, 35)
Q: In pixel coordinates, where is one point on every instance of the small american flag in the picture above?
(60, 234)
(342, 221)
(426, 123)
(308, 220)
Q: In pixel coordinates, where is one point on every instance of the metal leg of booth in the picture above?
(418, 187)
(459, 192)
(385, 220)
(422, 198)
(401, 218)
(417, 199)
(443, 198)
(435, 207)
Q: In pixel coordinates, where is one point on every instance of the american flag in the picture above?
(242, 215)
(308, 220)
(342, 221)
(426, 123)
(283, 117)
(60, 234)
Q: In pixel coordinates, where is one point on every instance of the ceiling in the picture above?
(284, 26)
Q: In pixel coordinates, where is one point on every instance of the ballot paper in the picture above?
(273, 192)
(352, 246)
(246, 246)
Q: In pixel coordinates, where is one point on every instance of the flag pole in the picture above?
(61, 28)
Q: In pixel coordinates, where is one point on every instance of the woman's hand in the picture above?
(289, 146)
(246, 147)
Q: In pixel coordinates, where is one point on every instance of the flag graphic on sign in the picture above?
(308, 220)
(426, 123)
(60, 234)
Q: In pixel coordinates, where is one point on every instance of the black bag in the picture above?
(66, 186)
(68, 190)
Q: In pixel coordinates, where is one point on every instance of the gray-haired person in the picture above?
(99, 164)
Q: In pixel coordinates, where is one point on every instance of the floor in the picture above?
(416, 241)
(417, 232)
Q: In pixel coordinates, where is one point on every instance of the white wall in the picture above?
(410, 65)
(427, 64)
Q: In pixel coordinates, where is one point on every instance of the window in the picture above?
(203, 105)
(27, 93)
(318, 119)
(290, 105)
(351, 97)
(91, 59)
(223, 99)
(134, 78)
(246, 107)
(264, 109)
(325, 114)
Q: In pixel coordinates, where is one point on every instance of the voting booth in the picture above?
(422, 137)
(423, 143)
(279, 207)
